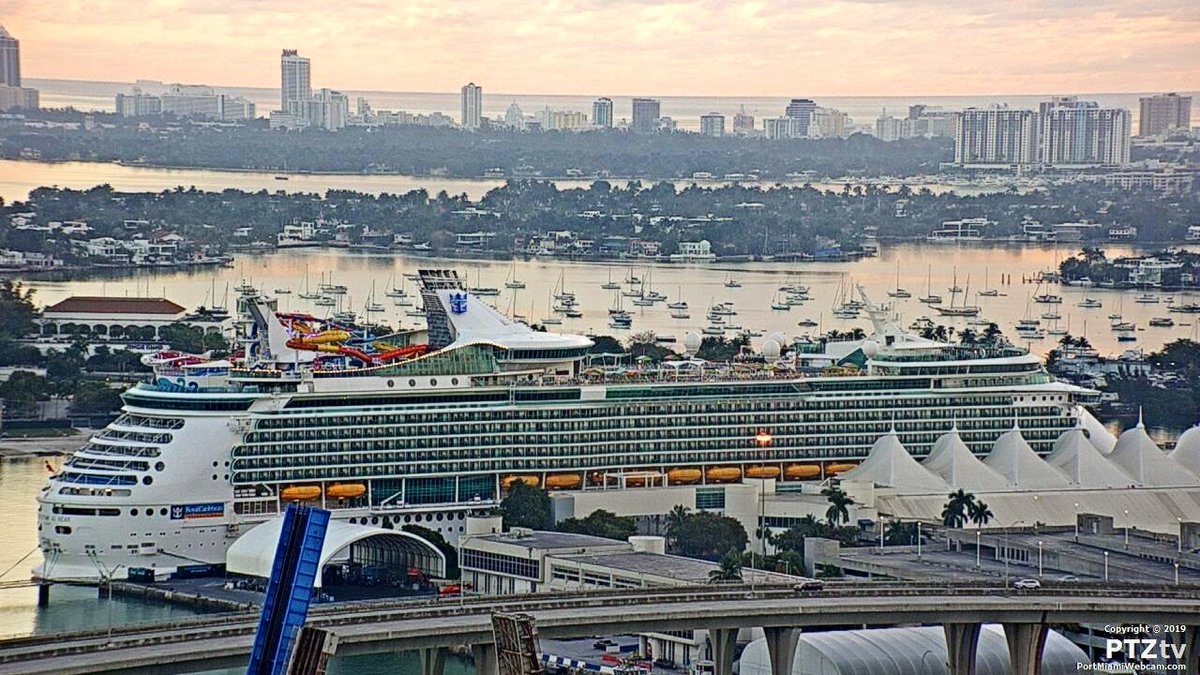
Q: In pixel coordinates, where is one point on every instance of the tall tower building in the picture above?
(801, 109)
(472, 106)
(996, 135)
(712, 124)
(1164, 112)
(1081, 132)
(646, 112)
(602, 113)
(295, 82)
(743, 123)
(10, 59)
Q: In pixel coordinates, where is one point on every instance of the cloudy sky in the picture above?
(707, 47)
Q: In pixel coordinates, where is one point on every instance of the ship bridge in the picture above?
(373, 550)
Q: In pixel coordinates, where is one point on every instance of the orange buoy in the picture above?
(801, 471)
(300, 493)
(723, 474)
(683, 476)
(563, 481)
(346, 491)
(762, 472)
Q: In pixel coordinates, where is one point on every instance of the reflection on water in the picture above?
(922, 267)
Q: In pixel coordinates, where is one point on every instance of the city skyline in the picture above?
(749, 48)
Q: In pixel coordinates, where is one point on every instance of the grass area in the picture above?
(17, 434)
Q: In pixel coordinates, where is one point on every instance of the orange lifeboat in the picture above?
(300, 493)
(563, 481)
(763, 472)
(684, 476)
(723, 474)
(835, 469)
(801, 471)
(346, 491)
(531, 481)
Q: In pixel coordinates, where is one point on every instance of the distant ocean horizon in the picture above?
(685, 110)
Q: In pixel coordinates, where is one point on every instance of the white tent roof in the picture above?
(1083, 464)
(960, 468)
(475, 322)
(1020, 465)
(1098, 434)
(254, 552)
(1187, 449)
(889, 464)
(1149, 466)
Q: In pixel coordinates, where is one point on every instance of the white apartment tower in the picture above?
(295, 82)
(996, 135)
(1077, 132)
(712, 124)
(10, 59)
(472, 106)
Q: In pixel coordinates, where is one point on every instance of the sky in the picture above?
(626, 47)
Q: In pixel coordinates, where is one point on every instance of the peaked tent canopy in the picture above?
(1187, 449)
(960, 468)
(889, 464)
(1146, 463)
(1020, 465)
(1084, 466)
(1098, 434)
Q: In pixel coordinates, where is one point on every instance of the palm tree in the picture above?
(837, 512)
(729, 569)
(676, 518)
(979, 513)
(954, 513)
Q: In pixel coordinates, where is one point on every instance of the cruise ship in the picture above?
(424, 427)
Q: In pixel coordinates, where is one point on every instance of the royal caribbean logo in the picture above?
(458, 303)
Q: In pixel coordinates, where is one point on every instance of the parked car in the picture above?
(1027, 583)
(809, 585)
(1069, 579)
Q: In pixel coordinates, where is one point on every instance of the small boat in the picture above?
(1126, 337)
(1051, 316)
(1185, 308)
(507, 481)
(1090, 303)
(801, 471)
(324, 302)
(1162, 322)
(513, 281)
(723, 474)
(1146, 299)
(573, 314)
(680, 315)
(563, 481)
(283, 291)
(899, 292)
(677, 305)
(282, 178)
(781, 306)
(929, 298)
(684, 476)
(300, 493)
(1048, 299)
(1123, 327)
(666, 339)
(730, 282)
(643, 302)
(551, 321)
(712, 330)
(610, 285)
(485, 291)
(807, 323)
(346, 491)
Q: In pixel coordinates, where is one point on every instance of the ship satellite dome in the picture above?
(779, 338)
(691, 342)
(770, 349)
(870, 348)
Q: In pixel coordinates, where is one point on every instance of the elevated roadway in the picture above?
(363, 628)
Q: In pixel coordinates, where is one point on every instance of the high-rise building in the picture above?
(996, 135)
(602, 113)
(1075, 132)
(828, 123)
(472, 106)
(801, 109)
(138, 104)
(781, 128)
(1164, 112)
(743, 123)
(646, 112)
(514, 117)
(295, 82)
(327, 109)
(888, 128)
(10, 59)
(712, 124)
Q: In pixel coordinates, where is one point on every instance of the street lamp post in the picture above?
(1039, 558)
(978, 564)
(1076, 522)
(1106, 565)
(763, 439)
(1177, 573)
(1179, 535)
(1126, 529)
(918, 540)
(881, 533)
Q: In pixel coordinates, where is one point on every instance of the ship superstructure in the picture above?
(424, 427)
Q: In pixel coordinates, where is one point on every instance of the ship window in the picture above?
(62, 529)
(146, 480)
(412, 383)
(391, 383)
(159, 466)
(433, 382)
(133, 512)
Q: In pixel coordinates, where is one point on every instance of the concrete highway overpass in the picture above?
(432, 626)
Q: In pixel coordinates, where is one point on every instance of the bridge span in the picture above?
(430, 627)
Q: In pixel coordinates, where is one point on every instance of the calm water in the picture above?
(700, 286)
(18, 178)
(686, 110)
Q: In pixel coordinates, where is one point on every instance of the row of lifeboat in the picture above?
(305, 493)
(681, 476)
